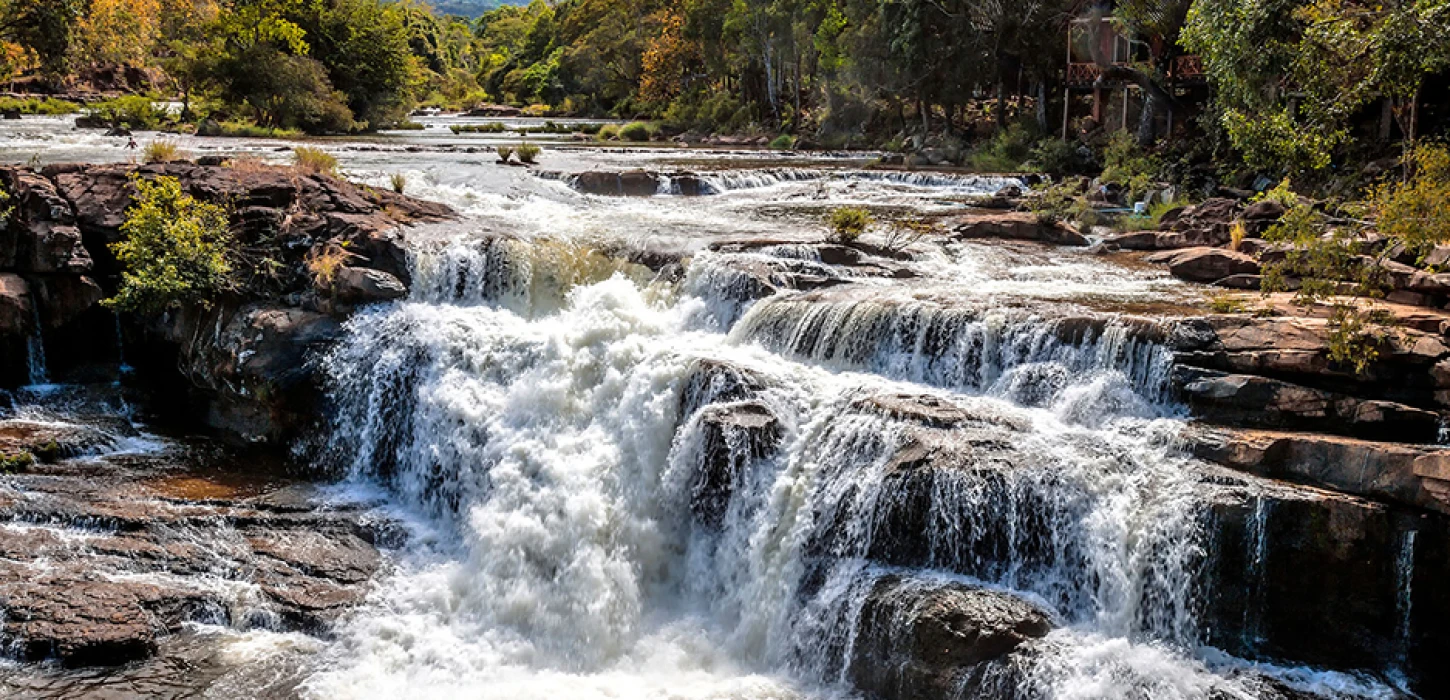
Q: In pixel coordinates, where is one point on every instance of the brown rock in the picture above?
(916, 639)
(1206, 264)
(1020, 226)
(361, 285)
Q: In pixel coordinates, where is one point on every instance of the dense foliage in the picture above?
(173, 249)
(1296, 84)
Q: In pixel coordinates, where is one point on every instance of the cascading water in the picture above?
(35, 350)
(613, 499)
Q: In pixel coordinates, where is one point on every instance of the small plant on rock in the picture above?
(324, 261)
(504, 153)
(162, 152)
(399, 182)
(848, 223)
(527, 152)
(174, 249)
(314, 161)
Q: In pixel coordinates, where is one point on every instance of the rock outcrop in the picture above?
(242, 357)
(102, 558)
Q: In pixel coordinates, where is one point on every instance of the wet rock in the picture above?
(49, 442)
(252, 363)
(631, 183)
(1203, 264)
(1254, 401)
(103, 560)
(1330, 580)
(734, 437)
(83, 619)
(360, 285)
(916, 639)
(712, 381)
(929, 411)
(1016, 226)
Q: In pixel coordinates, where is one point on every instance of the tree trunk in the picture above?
(1001, 103)
(1147, 121)
(924, 111)
(1041, 90)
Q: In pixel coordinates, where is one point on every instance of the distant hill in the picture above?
(470, 8)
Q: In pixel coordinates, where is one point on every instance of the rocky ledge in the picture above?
(106, 552)
(237, 362)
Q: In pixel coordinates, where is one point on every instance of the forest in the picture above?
(1284, 87)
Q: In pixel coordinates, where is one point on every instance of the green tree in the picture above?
(1290, 75)
(173, 250)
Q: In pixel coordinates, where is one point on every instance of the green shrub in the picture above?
(1005, 151)
(34, 105)
(635, 131)
(407, 125)
(399, 182)
(252, 131)
(314, 161)
(132, 112)
(1417, 210)
(527, 152)
(590, 128)
(174, 249)
(504, 153)
(782, 142)
(1125, 163)
(848, 223)
(162, 151)
(608, 132)
(1054, 156)
(489, 128)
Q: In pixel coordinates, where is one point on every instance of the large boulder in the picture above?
(1299, 350)
(734, 437)
(361, 285)
(1022, 226)
(630, 183)
(916, 639)
(41, 236)
(1204, 264)
(1385, 471)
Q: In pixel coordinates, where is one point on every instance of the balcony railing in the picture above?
(1186, 69)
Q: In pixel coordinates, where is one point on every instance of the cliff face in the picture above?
(236, 362)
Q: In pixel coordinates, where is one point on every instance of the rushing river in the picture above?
(536, 415)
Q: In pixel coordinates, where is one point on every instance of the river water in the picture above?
(535, 415)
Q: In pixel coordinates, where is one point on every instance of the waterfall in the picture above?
(610, 498)
(1404, 599)
(1072, 362)
(1258, 549)
(35, 350)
